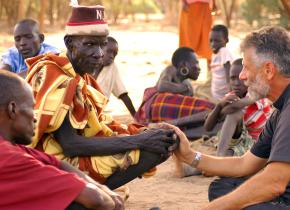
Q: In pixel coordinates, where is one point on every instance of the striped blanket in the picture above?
(158, 107)
(169, 106)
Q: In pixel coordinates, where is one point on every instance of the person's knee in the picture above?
(235, 117)
(213, 190)
(151, 157)
(222, 186)
(268, 206)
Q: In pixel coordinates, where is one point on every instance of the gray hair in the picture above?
(270, 43)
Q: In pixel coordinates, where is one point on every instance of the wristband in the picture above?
(196, 160)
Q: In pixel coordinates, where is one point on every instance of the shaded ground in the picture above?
(144, 52)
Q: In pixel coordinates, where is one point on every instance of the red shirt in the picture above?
(256, 116)
(31, 180)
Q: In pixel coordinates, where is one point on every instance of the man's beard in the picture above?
(257, 88)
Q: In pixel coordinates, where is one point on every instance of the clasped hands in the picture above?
(173, 140)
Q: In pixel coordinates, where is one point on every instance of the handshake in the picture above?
(167, 139)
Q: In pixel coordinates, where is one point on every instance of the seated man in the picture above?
(69, 109)
(260, 179)
(28, 43)
(244, 119)
(108, 76)
(33, 180)
(172, 98)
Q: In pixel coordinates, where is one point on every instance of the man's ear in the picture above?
(41, 38)
(68, 42)
(269, 70)
(11, 110)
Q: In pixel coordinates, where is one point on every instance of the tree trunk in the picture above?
(21, 9)
(50, 12)
(286, 4)
(41, 17)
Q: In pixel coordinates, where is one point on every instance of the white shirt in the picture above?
(110, 81)
(219, 85)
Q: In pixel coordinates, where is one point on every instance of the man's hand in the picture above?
(184, 151)
(157, 140)
(184, 5)
(118, 200)
(228, 100)
(237, 105)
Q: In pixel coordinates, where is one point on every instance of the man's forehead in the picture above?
(247, 55)
(92, 38)
(235, 70)
(217, 34)
(24, 29)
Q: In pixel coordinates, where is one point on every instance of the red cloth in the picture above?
(30, 179)
(256, 116)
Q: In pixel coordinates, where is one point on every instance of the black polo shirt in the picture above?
(274, 141)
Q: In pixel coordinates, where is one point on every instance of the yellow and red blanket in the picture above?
(59, 91)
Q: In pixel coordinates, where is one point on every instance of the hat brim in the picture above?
(90, 30)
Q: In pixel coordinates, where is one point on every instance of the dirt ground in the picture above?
(144, 51)
(143, 55)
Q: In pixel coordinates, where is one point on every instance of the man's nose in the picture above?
(98, 52)
(242, 75)
(22, 42)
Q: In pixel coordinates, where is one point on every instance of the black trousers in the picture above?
(224, 185)
(76, 206)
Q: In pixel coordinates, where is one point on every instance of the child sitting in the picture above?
(244, 119)
(109, 78)
(220, 62)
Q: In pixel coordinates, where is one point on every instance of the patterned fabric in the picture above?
(143, 113)
(169, 106)
(194, 28)
(219, 85)
(193, 1)
(15, 60)
(255, 117)
(241, 145)
(60, 92)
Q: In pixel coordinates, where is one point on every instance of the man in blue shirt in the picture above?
(28, 43)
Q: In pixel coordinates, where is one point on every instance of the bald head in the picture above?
(33, 24)
(16, 108)
(11, 87)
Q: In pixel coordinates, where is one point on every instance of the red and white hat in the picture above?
(87, 20)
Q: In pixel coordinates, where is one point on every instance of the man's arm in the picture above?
(118, 201)
(8, 68)
(216, 114)
(165, 83)
(153, 140)
(237, 105)
(93, 197)
(227, 67)
(265, 186)
(245, 165)
(184, 5)
(232, 126)
(213, 117)
(172, 87)
(5, 67)
(128, 103)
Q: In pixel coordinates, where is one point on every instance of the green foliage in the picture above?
(144, 6)
(264, 12)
